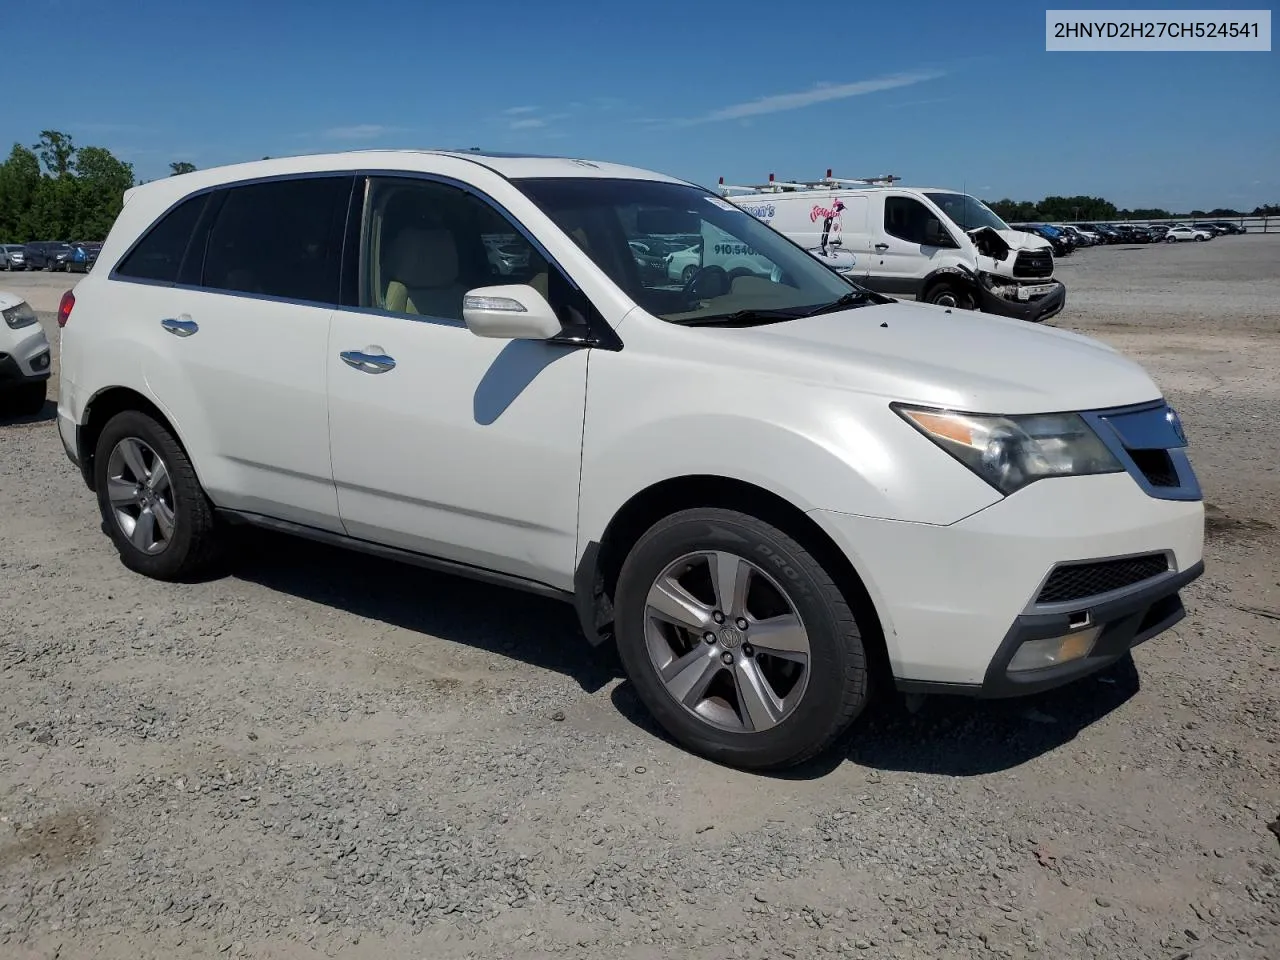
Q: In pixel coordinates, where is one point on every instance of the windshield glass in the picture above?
(968, 213)
(686, 255)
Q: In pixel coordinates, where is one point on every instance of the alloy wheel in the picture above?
(727, 642)
(140, 489)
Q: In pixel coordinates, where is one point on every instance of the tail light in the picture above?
(64, 308)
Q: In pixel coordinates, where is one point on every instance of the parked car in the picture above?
(1214, 229)
(1226, 226)
(56, 255)
(1058, 240)
(1157, 231)
(24, 358)
(34, 255)
(1179, 233)
(1108, 233)
(1083, 238)
(84, 254)
(13, 256)
(770, 492)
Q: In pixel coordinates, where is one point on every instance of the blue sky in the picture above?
(947, 94)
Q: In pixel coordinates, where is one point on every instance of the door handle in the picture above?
(368, 362)
(882, 246)
(182, 326)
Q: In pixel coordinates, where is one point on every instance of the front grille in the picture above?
(1033, 263)
(1079, 580)
(1156, 466)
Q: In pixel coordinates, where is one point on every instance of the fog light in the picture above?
(1051, 651)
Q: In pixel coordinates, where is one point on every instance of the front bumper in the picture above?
(28, 360)
(1033, 311)
(956, 600)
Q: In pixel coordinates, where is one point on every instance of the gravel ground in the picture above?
(322, 754)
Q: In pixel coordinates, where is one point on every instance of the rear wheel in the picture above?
(738, 641)
(152, 505)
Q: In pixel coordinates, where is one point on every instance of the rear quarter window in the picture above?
(158, 255)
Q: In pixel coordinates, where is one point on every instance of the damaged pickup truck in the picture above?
(938, 246)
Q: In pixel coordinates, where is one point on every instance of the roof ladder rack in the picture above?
(826, 183)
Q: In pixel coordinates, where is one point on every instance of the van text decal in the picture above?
(826, 213)
(761, 211)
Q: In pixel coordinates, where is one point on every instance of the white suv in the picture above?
(772, 490)
(24, 358)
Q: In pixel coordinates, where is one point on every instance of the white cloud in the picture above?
(516, 111)
(359, 131)
(819, 94)
(528, 123)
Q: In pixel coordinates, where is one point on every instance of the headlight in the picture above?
(1011, 452)
(20, 316)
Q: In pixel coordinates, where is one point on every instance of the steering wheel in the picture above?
(708, 282)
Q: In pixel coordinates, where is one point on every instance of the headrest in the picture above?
(421, 257)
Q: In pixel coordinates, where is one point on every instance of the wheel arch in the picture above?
(596, 576)
(104, 405)
(957, 275)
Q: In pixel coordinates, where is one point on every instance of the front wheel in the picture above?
(948, 294)
(152, 505)
(738, 640)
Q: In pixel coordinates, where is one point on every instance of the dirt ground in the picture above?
(327, 755)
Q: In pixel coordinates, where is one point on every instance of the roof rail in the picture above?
(826, 183)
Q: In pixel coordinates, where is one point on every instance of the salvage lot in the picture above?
(324, 754)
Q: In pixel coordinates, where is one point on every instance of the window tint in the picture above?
(279, 239)
(159, 255)
(905, 219)
(429, 243)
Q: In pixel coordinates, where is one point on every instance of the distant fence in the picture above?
(1252, 224)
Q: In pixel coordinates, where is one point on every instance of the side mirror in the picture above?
(935, 236)
(510, 312)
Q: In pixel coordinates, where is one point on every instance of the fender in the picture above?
(956, 274)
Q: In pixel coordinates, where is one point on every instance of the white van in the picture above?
(939, 246)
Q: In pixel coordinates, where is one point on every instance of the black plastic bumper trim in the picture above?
(1126, 621)
(1033, 311)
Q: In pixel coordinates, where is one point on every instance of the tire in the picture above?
(1200, 239)
(193, 542)
(811, 704)
(24, 400)
(688, 273)
(948, 294)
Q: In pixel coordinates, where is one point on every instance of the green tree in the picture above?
(19, 183)
(101, 180)
(180, 167)
(56, 152)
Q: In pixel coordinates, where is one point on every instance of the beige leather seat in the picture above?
(421, 271)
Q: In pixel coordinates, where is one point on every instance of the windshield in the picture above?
(686, 255)
(968, 213)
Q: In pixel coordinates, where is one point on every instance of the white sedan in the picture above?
(1186, 233)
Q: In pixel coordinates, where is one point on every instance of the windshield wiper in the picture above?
(744, 318)
(853, 298)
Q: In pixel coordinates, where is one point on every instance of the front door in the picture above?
(443, 442)
(901, 256)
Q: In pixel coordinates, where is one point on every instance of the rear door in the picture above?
(235, 346)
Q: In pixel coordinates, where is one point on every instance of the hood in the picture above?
(973, 361)
(1021, 240)
(8, 299)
